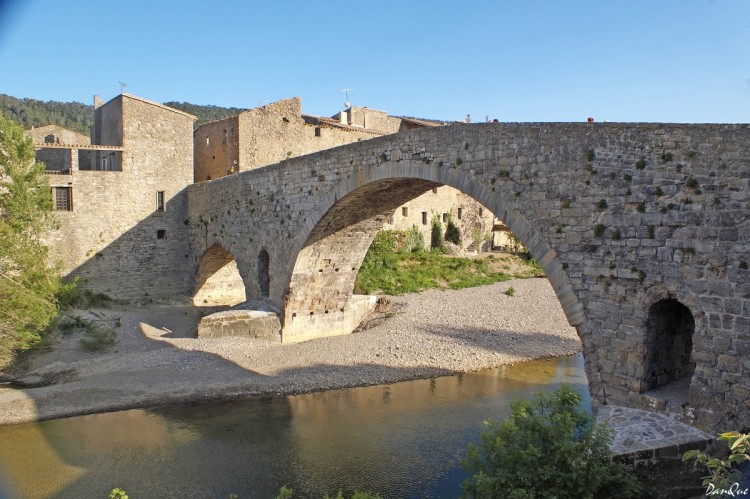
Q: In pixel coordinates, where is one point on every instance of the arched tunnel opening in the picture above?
(320, 300)
(218, 281)
(669, 345)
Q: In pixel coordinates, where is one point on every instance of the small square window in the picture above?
(160, 201)
(317, 131)
(63, 197)
(445, 218)
(404, 211)
(161, 234)
(434, 190)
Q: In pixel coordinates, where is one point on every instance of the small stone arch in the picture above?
(669, 344)
(218, 281)
(264, 276)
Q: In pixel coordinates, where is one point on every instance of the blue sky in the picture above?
(519, 60)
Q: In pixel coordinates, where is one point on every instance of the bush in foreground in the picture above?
(724, 474)
(549, 447)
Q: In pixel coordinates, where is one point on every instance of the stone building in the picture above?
(121, 200)
(120, 195)
(279, 131)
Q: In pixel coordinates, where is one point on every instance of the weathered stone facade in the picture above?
(125, 232)
(620, 216)
(279, 131)
(474, 221)
(266, 135)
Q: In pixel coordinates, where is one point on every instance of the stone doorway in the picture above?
(669, 345)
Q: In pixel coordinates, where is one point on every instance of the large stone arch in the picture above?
(613, 212)
(217, 279)
(328, 252)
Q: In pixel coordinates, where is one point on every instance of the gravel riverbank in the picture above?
(156, 362)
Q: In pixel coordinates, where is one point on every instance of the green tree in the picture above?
(27, 284)
(436, 232)
(549, 447)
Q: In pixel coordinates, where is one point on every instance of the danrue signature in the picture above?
(733, 490)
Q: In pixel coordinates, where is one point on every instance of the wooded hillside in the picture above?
(79, 117)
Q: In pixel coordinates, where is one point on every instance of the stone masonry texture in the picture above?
(619, 216)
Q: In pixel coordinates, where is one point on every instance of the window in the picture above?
(481, 211)
(161, 234)
(424, 218)
(63, 198)
(434, 190)
(160, 201)
(317, 131)
(391, 221)
(460, 213)
(404, 211)
(445, 218)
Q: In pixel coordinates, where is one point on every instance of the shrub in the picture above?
(452, 233)
(510, 291)
(723, 475)
(436, 232)
(546, 448)
(118, 493)
(413, 240)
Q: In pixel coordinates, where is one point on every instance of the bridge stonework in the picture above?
(620, 216)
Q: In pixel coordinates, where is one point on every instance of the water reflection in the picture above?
(401, 440)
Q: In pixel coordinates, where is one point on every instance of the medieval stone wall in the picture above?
(263, 136)
(115, 238)
(216, 149)
(474, 221)
(619, 216)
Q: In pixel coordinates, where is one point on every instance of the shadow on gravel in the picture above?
(521, 344)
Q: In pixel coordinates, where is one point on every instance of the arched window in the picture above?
(669, 343)
(264, 279)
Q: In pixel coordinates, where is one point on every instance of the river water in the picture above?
(400, 440)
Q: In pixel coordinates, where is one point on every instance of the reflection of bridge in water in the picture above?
(641, 229)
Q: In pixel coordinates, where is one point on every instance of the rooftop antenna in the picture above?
(122, 86)
(346, 92)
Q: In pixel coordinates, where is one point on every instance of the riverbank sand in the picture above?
(157, 360)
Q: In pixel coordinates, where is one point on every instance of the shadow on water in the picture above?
(401, 440)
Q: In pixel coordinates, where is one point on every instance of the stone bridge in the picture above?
(642, 230)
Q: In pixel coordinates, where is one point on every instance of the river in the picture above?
(400, 440)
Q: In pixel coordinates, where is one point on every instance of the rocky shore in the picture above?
(157, 361)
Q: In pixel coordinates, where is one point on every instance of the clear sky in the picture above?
(515, 60)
